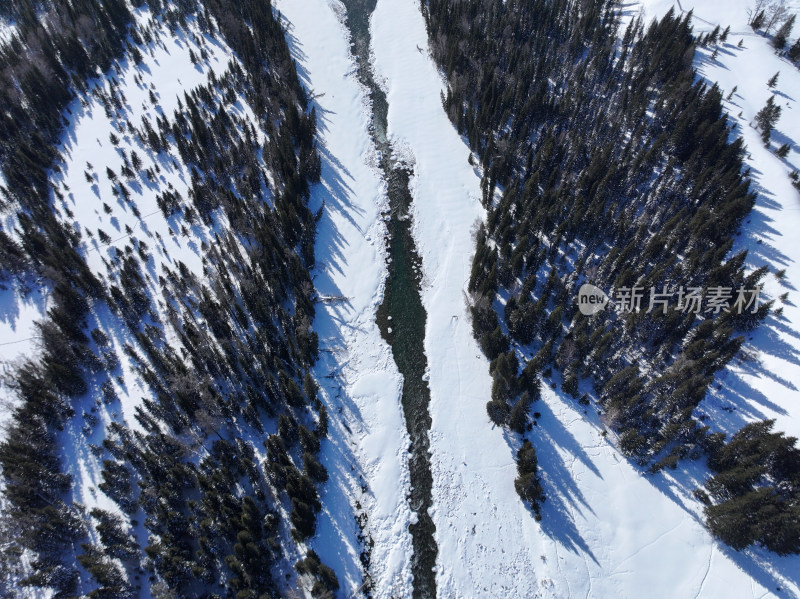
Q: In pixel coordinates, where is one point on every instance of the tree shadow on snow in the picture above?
(338, 539)
(563, 497)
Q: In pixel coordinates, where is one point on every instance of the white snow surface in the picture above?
(7, 29)
(607, 530)
(367, 457)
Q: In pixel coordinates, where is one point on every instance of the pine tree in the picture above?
(527, 483)
(767, 117)
(773, 81)
(757, 490)
(794, 51)
(779, 41)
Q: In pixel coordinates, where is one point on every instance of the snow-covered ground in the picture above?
(7, 29)
(765, 386)
(607, 530)
(367, 457)
(19, 310)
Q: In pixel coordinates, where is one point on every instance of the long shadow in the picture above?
(767, 568)
(562, 493)
(563, 496)
(346, 492)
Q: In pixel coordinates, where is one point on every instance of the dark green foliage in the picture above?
(560, 119)
(767, 117)
(518, 419)
(107, 574)
(117, 485)
(325, 581)
(243, 324)
(117, 541)
(504, 372)
(756, 490)
(494, 343)
(794, 51)
(570, 384)
(527, 483)
(783, 33)
(499, 411)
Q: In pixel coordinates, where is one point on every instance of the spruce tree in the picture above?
(779, 41)
(773, 81)
(794, 51)
(527, 483)
(767, 117)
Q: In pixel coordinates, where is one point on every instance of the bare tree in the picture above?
(758, 7)
(766, 14)
(777, 12)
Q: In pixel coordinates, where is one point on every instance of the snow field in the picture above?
(367, 454)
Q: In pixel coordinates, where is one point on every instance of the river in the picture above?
(401, 316)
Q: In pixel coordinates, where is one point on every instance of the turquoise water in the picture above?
(401, 316)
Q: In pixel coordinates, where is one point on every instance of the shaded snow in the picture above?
(607, 530)
(762, 383)
(367, 454)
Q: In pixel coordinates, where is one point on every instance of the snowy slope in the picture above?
(766, 386)
(360, 384)
(607, 530)
(91, 206)
(367, 458)
(19, 310)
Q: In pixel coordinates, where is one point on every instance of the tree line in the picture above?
(604, 160)
(225, 354)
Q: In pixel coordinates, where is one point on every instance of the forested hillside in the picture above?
(174, 364)
(606, 161)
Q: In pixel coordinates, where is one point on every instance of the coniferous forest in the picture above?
(606, 160)
(225, 353)
(186, 382)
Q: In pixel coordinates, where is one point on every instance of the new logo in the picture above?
(591, 299)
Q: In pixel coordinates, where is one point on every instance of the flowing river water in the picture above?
(401, 316)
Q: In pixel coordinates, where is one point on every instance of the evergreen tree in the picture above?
(527, 482)
(767, 117)
(783, 33)
(794, 51)
(757, 490)
(773, 81)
